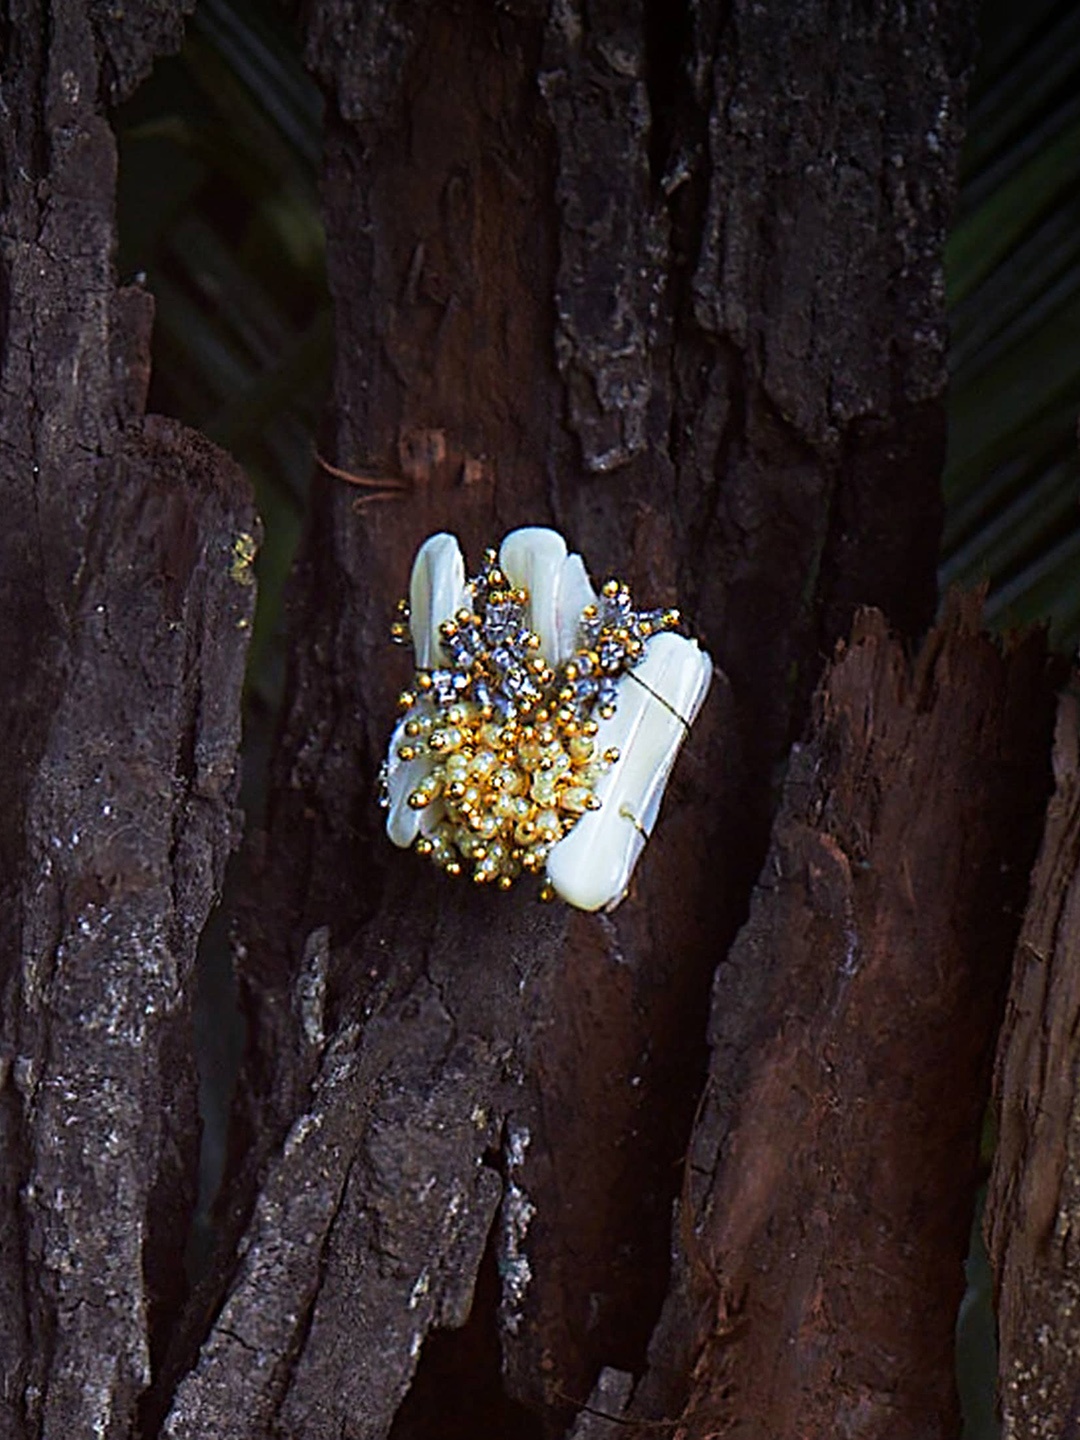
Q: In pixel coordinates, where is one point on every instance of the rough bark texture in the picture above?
(630, 276)
(125, 619)
(669, 280)
(1031, 1215)
(832, 1168)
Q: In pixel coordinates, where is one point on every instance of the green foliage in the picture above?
(1013, 267)
(219, 213)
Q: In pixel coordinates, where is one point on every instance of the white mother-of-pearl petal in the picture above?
(574, 593)
(532, 558)
(436, 593)
(403, 823)
(558, 585)
(657, 702)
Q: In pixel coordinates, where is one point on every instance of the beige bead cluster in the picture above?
(509, 790)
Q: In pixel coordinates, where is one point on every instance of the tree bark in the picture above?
(832, 1169)
(671, 282)
(126, 613)
(633, 282)
(1030, 1206)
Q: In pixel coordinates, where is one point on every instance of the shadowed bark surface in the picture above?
(832, 1169)
(125, 622)
(1031, 1206)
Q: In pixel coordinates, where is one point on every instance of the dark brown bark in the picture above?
(1031, 1205)
(121, 650)
(832, 1169)
(672, 284)
(638, 289)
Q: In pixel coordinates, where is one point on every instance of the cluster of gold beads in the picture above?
(507, 790)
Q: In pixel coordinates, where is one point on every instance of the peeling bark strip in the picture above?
(832, 1169)
(380, 1194)
(129, 818)
(1032, 1218)
(123, 630)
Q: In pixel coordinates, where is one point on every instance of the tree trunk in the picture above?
(126, 606)
(833, 1166)
(1030, 1220)
(669, 280)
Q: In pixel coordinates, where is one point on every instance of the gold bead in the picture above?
(406, 700)
(505, 882)
(406, 752)
(452, 867)
(610, 588)
(423, 680)
(611, 754)
(424, 846)
(547, 892)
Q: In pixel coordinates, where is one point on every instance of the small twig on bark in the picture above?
(382, 487)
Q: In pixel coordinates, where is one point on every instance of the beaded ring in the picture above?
(543, 721)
